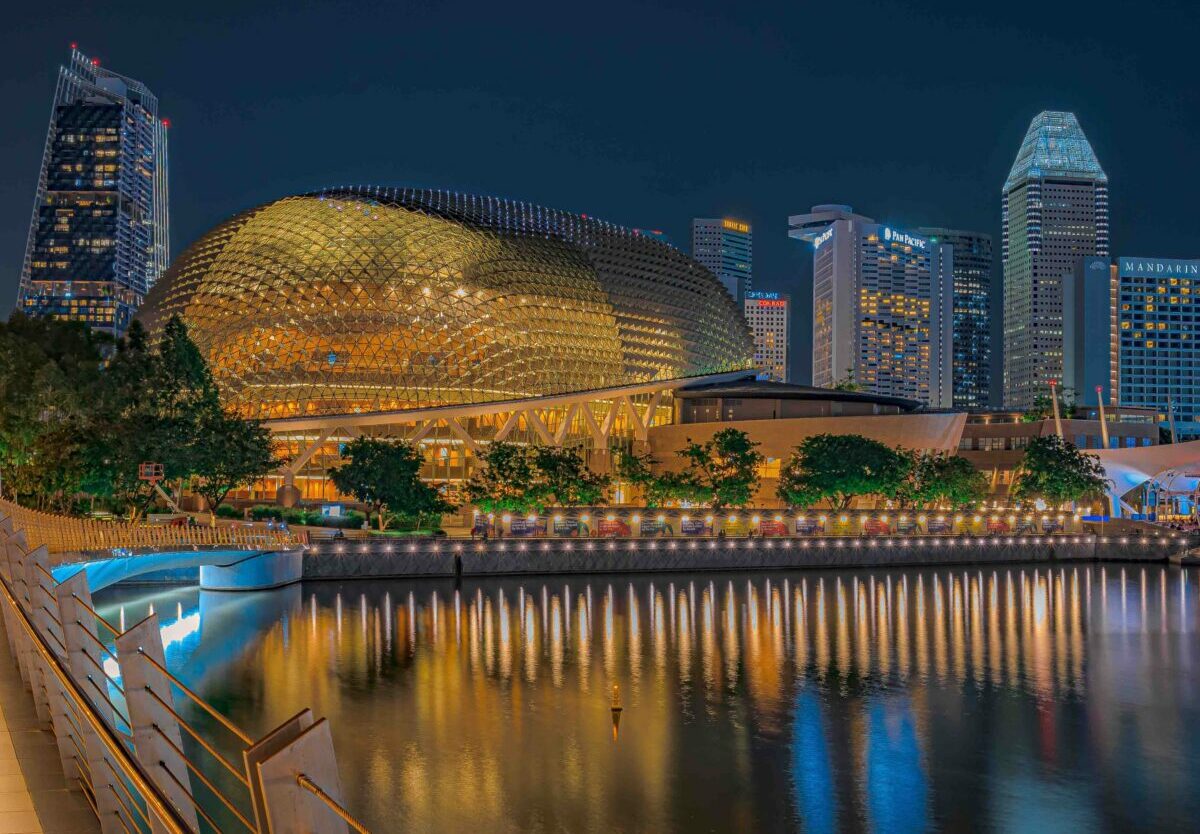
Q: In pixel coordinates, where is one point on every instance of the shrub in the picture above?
(227, 511)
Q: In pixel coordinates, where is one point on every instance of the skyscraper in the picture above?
(972, 340)
(98, 237)
(882, 306)
(1055, 212)
(1158, 336)
(767, 314)
(725, 246)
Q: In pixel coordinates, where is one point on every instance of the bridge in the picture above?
(230, 558)
(126, 728)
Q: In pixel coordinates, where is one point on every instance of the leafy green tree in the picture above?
(840, 467)
(721, 472)
(385, 476)
(638, 471)
(49, 372)
(522, 479)
(1043, 406)
(505, 482)
(237, 453)
(847, 382)
(1057, 471)
(937, 477)
(564, 480)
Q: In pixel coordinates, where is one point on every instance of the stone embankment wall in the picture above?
(378, 559)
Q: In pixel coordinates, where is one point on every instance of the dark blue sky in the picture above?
(644, 114)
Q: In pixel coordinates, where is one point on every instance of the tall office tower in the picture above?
(972, 339)
(98, 238)
(1090, 341)
(725, 247)
(1055, 211)
(767, 314)
(882, 306)
(1158, 327)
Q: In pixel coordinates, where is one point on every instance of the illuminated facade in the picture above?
(98, 239)
(767, 314)
(726, 247)
(971, 329)
(449, 320)
(882, 306)
(1055, 212)
(1158, 321)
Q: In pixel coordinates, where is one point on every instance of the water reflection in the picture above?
(886, 701)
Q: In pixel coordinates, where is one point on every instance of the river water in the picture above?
(1061, 699)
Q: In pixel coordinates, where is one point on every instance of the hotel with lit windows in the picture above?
(882, 306)
(98, 239)
(767, 314)
(1158, 338)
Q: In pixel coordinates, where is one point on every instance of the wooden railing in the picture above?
(64, 534)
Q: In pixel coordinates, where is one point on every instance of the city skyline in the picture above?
(239, 135)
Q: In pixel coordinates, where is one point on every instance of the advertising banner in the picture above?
(772, 528)
(654, 527)
(525, 527)
(806, 526)
(613, 527)
(569, 526)
(694, 527)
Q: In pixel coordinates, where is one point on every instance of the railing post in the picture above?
(74, 604)
(299, 747)
(10, 626)
(16, 549)
(156, 736)
(40, 599)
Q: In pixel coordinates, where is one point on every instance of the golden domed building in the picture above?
(446, 319)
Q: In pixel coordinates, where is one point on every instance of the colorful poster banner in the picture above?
(772, 528)
(525, 527)
(694, 527)
(613, 527)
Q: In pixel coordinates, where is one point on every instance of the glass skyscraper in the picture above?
(725, 246)
(972, 340)
(1055, 212)
(98, 239)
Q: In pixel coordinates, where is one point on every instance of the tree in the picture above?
(840, 467)
(721, 472)
(385, 476)
(523, 479)
(1043, 406)
(49, 373)
(847, 382)
(235, 453)
(564, 480)
(1058, 471)
(657, 488)
(504, 483)
(936, 477)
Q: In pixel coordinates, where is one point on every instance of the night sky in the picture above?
(643, 114)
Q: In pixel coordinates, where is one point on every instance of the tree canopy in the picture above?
(840, 467)
(522, 479)
(939, 477)
(721, 472)
(385, 476)
(1057, 471)
(78, 415)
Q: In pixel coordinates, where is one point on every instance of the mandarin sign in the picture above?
(1155, 266)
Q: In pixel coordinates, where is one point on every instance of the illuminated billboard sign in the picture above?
(1158, 266)
(735, 225)
(822, 238)
(891, 235)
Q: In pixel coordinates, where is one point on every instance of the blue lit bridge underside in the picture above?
(220, 570)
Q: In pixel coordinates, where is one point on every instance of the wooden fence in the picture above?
(64, 534)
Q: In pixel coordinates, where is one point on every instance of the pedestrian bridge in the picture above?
(220, 569)
(230, 558)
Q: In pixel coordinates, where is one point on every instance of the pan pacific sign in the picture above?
(1158, 266)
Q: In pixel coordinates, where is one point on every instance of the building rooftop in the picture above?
(1055, 146)
(767, 389)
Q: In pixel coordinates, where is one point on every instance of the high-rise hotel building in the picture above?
(971, 327)
(1158, 338)
(1055, 212)
(725, 246)
(882, 306)
(98, 239)
(767, 314)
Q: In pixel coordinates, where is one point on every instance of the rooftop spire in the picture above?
(1055, 146)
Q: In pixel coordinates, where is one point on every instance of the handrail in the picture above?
(200, 702)
(66, 534)
(172, 822)
(312, 787)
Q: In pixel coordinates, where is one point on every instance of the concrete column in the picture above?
(290, 807)
(156, 736)
(83, 658)
(265, 748)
